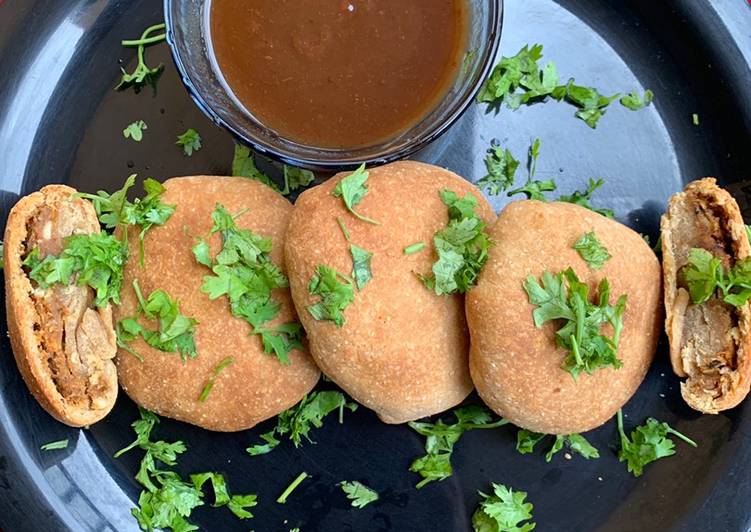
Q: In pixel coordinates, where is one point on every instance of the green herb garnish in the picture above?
(352, 190)
(300, 419)
(649, 442)
(143, 75)
(564, 297)
(244, 165)
(344, 229)
(286, 493)
(336, 292)
(635, 102)
(501, 167)
(295, 178)
(358, 493)
(462, 247)
(2, 255)
(592, 105)
(135, 130)
(55, 445)
(175, 333)
(695, 119)
(414, 248)
(361, 272)
(226, 362)
(592, 251)
(244, 272)
(526, 441)
(441, 438)
(96, 260)
(237, 504)
(583, 198)
(705, 275)
(503, 511)
(190, 141)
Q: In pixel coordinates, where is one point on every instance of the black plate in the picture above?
(60, 121)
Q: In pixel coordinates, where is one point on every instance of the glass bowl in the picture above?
(187, 34)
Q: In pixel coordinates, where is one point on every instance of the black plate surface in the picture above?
(61, 121)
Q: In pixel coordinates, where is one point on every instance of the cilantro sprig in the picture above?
(135, 130)
(520, 80)
(143, 75)
(352, 189)
(299, 420)
(190, 141)
(591, 250)
(358, 493)
(501, 169)
(527, 440)
(244, 273)
(435, 465)
(95, 260)
(564, 297)
(503, 511)
(336, 292)
(175, 333)
(648, 442)
(462, 247)
(244, 165)
(706, 276)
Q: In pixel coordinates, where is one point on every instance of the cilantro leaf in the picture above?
(648, 442)
(244, 272)
(190, 141)
(358, 493)
(135, 130)
(361, 272)
(352, 190)
(635, 102)
(55, 445)
(527, 440)
(579, 333)
(503, 511)
(462, 247)
(592, 251)
(534, 190)
(299, 420)
(244, 165)
(336, 292)
(705, 275)
(501, 167)
(295, 178)
(237, 504)
(441, 438)
(226, 362)
(592, 105)
(583, 198)
(143, 75)
(95, 260)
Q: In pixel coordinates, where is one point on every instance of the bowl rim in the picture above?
(264, 148)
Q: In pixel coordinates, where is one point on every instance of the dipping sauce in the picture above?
(339, 73)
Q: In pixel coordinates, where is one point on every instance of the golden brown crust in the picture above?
(709, 343)
(254, 388)
(515, 366)
(403, 350)
(26, 326)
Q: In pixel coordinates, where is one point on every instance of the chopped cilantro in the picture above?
(135, 130)
(295, 483)
(592, 251)
(237, 504)
(695, 119)
(414, 248)
(244, 272)
(705, 275)
(301, 418)
(295, 178)
(441, 438)
(190, 141)
(2, 255)
(361, 272)
(352, 190)
(336, 292)
(175, 333)
(535, 190)
(462, 247)
(583, 198)
(501, 167)
(358, 493)
(96, 260)
(526, 441)
(592, 105)
(564, 297)
(244, 165)
(648, 442)
(503, 511)
(635, 102)
(55, 445)
(143, 75)
(226, 362)
(344, 229)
